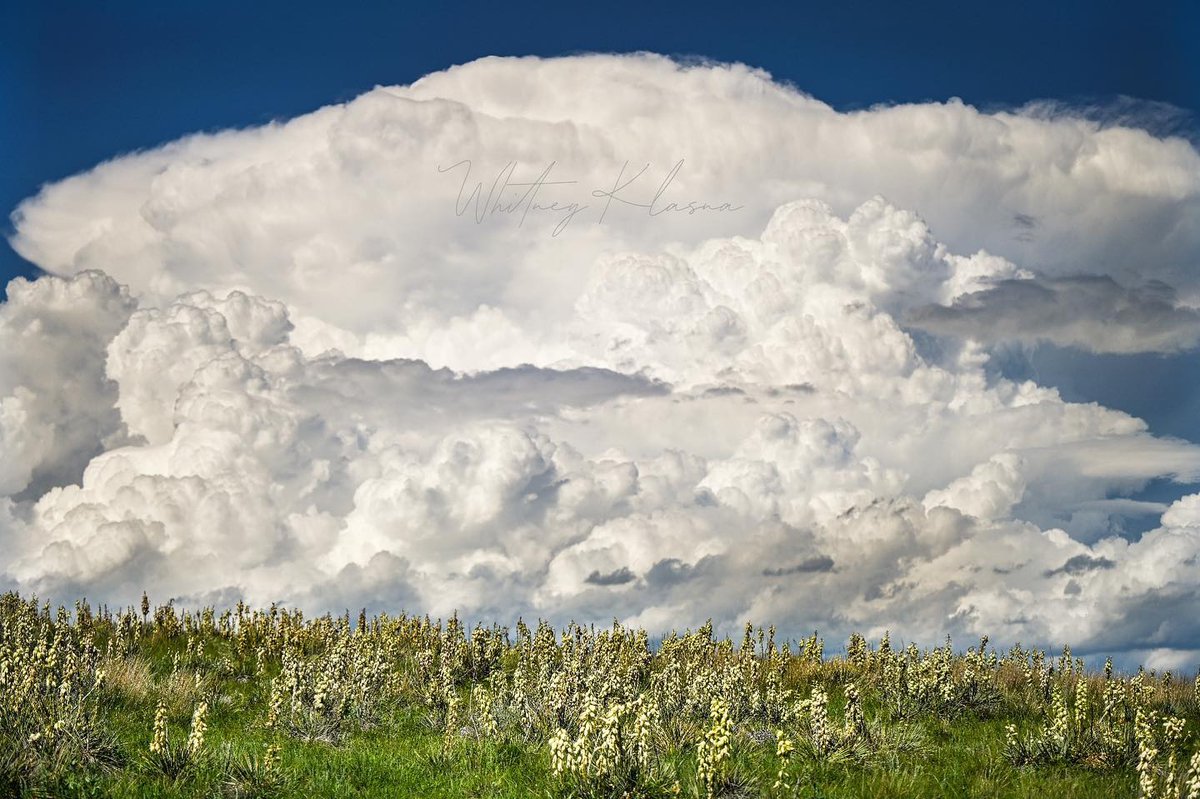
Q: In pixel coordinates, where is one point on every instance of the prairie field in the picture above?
(159, 702)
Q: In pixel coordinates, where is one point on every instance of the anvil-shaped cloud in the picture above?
(280, 364)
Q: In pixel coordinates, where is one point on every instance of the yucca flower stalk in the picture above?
(1082, 720)
(1147, 754)
(713, 751)
(271, 759)
(453, 722)
(1172, 735)
(856, 723)
(1059, 728)
(1192, 787)
(818, 714)
(158, 743)
(784, 747)
(195, 741)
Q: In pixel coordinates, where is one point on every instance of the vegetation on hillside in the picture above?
(267, 703)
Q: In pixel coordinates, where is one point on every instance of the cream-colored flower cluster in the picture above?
(50, 679)
(1174, 780)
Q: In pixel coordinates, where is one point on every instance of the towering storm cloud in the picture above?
(610, 336)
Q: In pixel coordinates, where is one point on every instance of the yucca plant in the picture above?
(177, 760)
(247, 775)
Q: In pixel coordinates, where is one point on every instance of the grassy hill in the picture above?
(265, 703)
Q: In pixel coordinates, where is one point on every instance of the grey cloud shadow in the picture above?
(619, 576)
(1092, 312)
(814, 565)
(1080, 564)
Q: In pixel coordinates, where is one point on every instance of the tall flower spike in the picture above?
(158, 743)
(195, 740)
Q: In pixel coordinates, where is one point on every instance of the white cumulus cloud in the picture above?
(276, 364)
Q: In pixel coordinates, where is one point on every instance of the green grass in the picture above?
(403, 756)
